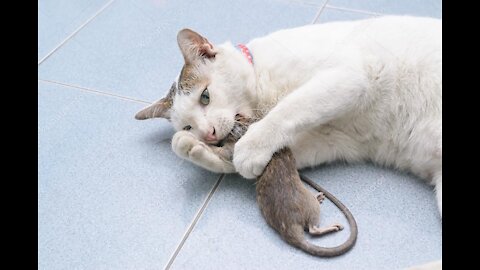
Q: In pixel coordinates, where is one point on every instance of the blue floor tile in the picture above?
(429, 8)
(111, 193)
(57, 19)
(131, 48)
(399, 225)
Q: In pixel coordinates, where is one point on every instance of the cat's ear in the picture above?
(160, 108)
(194, 47)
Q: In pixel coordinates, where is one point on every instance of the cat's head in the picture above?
(214, 85)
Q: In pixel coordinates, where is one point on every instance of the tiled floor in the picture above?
(112, 195)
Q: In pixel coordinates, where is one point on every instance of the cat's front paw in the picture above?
(249, 159)
(184, 144)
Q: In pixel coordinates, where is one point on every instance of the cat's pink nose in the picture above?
(210, 137)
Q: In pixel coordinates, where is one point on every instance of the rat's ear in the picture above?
(193, 46)
(160, 108)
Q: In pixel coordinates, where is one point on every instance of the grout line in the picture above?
(319, 12)
(355, 10)
(194, 222)
(76, 31)
(97, 92)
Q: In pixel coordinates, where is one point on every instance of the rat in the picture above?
(285, 202)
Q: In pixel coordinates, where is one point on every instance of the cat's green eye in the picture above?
(187, 127)
(205, 97)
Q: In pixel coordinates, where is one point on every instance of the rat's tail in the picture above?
(296, 237)
(333, 251)
(325, 251)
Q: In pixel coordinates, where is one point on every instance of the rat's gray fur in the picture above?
(284, 201)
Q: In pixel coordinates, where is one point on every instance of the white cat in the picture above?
(353, 91)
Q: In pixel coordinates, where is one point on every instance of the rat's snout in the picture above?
(210, 136)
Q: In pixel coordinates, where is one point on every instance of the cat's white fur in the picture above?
(353, 91)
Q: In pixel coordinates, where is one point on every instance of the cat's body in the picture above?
(353, 91)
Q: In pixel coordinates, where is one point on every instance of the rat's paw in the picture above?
(183, 142)
(320, 197)
(249, 159)
(338, 226)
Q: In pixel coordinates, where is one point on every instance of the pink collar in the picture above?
(245, 51)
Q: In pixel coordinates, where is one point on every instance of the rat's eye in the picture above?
(187, 127)
(205, 97)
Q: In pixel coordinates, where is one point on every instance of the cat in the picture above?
(366, 90)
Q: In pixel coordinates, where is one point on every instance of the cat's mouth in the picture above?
(220, 142)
